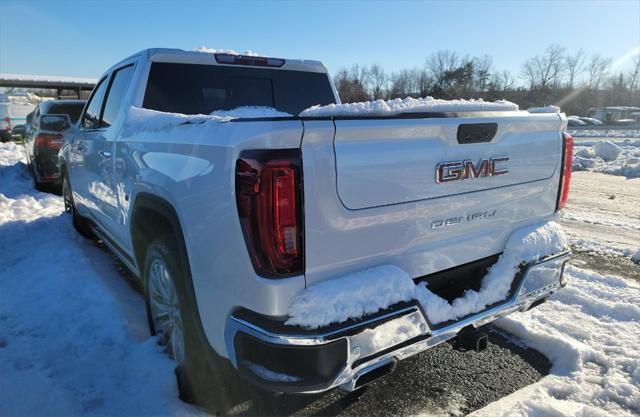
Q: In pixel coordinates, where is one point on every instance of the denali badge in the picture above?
(464, 170)
(461, 219)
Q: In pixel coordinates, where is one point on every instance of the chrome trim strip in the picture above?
(412, 318)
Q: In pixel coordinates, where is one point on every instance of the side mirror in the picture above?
(19, 130)
(55, 122)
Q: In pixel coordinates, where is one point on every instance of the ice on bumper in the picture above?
(356, 295)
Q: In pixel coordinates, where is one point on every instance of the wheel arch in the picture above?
(151, 217)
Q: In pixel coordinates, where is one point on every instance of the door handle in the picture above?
(105, 154)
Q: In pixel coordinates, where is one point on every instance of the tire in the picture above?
(204, 378)
(36, 184)
(80, 223)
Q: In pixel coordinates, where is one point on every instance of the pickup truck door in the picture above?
(104, 174)
(96, 144)
(82, 153)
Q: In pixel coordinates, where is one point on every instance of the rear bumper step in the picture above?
(358, 352)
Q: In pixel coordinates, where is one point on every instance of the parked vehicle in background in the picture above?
(50, 122)
(227, 213)
(19, 131)
(574, 121)
(12, 114)
(590, 121)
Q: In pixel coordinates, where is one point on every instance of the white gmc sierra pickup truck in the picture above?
(305, 243)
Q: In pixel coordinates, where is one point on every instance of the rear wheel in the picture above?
(164, 309)
(36, 182)
(203, 377)
(80, 223)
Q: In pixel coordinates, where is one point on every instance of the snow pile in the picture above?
(407, 105)
(250, 112)
(615, 158)
(14, 177)
(352, 296)
(590, 331)
(366, 292)
(606, 150)
(525, 245)
(67, 344)
(546, 109)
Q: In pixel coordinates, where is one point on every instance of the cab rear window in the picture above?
(203, 89)
(72, 109)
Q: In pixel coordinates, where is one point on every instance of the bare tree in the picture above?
(378, 81)
(482, 67)
(597, 69)
(349, 86)
(545, 71)
(424, 82)
(359, 74)
(634, 74)
(405, 83)
(575, 65)
(441, 62)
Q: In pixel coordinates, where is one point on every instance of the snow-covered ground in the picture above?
(609, 156)
(73, 337)
(590, 332)
(603, 214)
(602, 133)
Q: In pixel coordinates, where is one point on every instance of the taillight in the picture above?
(48, 140)
(269, 200)
(565, 179)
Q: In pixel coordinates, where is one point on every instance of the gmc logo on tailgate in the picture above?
(464, 170)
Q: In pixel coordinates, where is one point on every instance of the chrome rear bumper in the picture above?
(373, 343)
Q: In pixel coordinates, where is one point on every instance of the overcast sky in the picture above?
(85, 38)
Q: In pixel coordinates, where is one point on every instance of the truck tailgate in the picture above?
(383, 162)
(373, 195)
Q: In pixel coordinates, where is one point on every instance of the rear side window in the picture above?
(203, 89)
(71, 109)
(91, 118)
(119, 85)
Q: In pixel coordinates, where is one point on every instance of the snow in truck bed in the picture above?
(407, 105)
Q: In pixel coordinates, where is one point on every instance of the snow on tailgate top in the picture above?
(407, 105)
